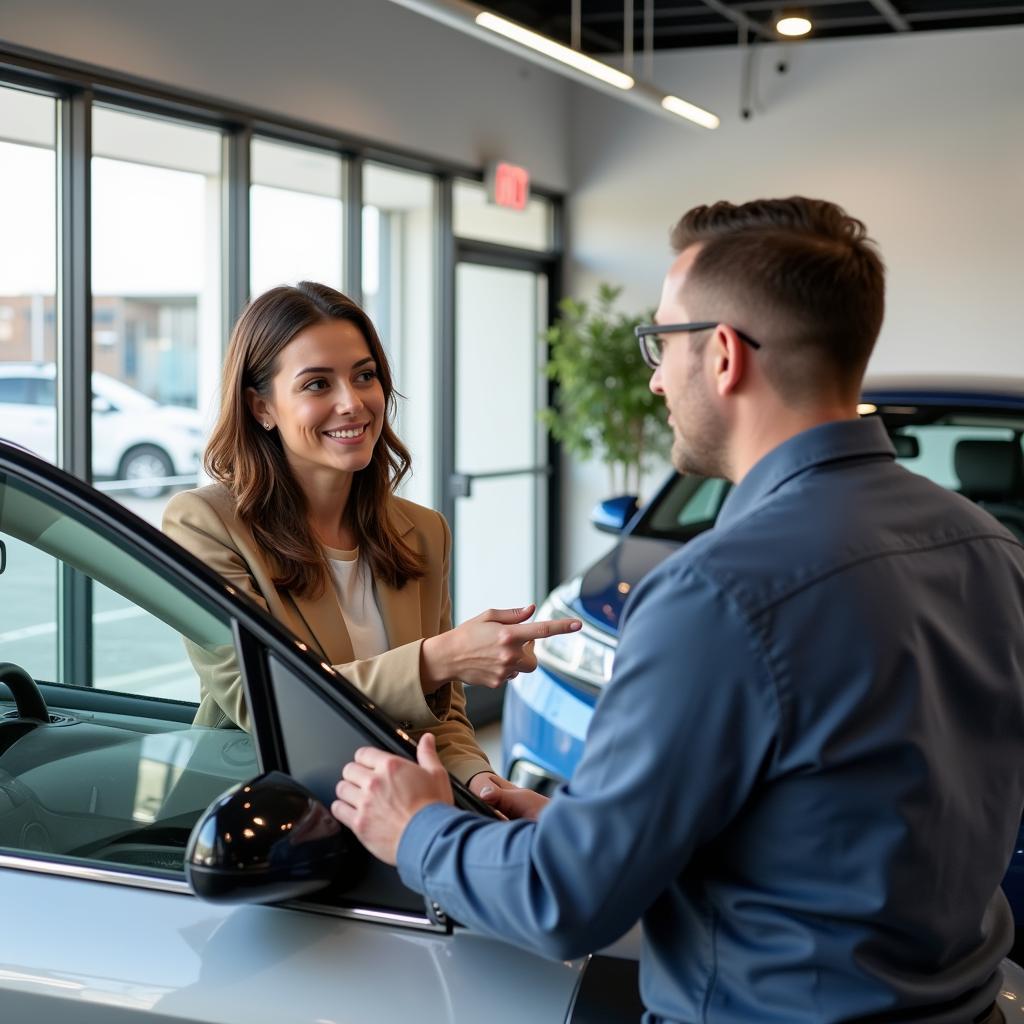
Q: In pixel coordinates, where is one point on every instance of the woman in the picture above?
(303, 518)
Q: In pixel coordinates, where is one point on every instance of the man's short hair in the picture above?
(799, 275)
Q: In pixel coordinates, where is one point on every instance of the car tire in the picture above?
(145, 461)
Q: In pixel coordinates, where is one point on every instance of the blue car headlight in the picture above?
(586, 655)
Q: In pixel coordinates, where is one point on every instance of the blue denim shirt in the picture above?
(806, 773)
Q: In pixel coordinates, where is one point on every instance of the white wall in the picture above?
(919, 135)
(366, 67)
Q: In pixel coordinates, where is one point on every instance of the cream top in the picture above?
(359, 609)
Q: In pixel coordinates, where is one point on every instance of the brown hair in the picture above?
(250, 462)
(801, 275)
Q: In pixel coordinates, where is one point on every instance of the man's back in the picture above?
(862, 874)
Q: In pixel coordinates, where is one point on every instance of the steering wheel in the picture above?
(27, 698)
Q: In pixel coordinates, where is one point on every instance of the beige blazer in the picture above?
(204, 522)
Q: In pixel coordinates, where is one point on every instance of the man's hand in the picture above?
(379, 793)
(510, 800)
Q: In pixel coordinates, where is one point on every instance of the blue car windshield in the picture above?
(977, 452)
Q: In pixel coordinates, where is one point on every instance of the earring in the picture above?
(266, 425)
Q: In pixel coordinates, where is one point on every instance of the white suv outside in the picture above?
(134, 438)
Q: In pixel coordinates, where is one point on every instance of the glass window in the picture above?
(934, 454)
(296, 210)
(156, 250)
(398, 275)
(124, 782)
(476, 217)
(28, 266)
(688, 507)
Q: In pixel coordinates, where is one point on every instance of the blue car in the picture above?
(963, 433)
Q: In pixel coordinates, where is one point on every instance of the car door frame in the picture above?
(256, 636)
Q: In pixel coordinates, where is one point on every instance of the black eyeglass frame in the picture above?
(644, 331)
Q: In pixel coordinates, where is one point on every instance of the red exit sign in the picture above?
(508, 185)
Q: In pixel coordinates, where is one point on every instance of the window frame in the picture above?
(77, 87)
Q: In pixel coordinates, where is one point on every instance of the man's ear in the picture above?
(258, 406)
(729, 359)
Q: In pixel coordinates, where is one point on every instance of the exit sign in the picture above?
(508, 185)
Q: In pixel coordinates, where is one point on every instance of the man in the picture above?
(806, 772)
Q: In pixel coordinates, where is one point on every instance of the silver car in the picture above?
(116, 812)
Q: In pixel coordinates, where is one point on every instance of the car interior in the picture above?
(104, 776)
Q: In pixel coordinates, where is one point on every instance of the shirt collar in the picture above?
(829, 442)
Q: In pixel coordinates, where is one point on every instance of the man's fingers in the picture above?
(344, 813)
(347, 793)
(356, 773)
(526, 631)
(371, 757)
(510, 616)
(426, 753)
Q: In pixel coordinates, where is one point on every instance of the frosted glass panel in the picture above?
(496, 368)
(495, 556)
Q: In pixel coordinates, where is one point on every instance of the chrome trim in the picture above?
(534, 770)
(577, 988)
(389, 917)
(88, 873)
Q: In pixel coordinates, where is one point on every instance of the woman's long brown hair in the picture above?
(250, 461)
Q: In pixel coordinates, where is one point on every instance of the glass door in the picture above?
(500, 479)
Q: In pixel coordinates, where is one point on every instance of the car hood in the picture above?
(607, 583)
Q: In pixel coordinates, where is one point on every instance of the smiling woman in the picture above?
(304, 519)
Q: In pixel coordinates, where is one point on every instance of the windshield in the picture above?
(928, 440)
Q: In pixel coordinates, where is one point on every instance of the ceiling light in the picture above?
(704, 118)
(793, 24)
(565, 54)
(476, 21)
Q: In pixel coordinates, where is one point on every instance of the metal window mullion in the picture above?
(74, 364)
(444, 366)
(352, 253)
(236, 171)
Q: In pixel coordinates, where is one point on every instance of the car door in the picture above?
(100, 790)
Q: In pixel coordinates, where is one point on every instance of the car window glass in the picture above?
(318, 740)
(936, 448)
(688, 506)
(45, 392)
(121, 777)
(14, 390)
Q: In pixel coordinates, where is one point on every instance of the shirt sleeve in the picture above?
(678, 740)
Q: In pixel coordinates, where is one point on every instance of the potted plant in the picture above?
(603, 403)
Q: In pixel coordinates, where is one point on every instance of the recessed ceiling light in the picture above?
(792, 24)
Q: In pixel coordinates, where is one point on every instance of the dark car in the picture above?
(963, 433)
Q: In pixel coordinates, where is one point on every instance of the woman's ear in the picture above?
(259, 408)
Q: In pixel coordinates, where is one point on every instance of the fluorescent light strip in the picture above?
(575, 59)
(674, 105)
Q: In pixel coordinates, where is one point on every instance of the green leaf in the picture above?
(603, 401)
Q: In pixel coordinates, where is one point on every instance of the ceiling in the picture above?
(687, 23)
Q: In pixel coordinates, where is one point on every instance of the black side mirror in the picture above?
(612, 514)
(267, 840)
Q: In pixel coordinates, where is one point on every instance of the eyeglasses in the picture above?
(649, 338)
